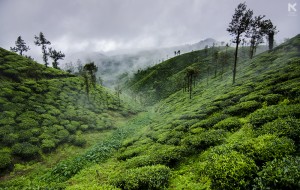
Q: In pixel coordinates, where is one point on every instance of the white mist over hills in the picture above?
(112, 64)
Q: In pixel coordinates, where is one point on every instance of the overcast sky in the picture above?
(108, 25)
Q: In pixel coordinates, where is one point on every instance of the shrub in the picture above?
(84, 127)
(167, 154)
(243, 108)
(272, 99)
(289, 127)
(170, 137)
(132, 151)
(27, 123)
(10, 139)
(161, 154)
(267, 147)
(229, 170)
(79, 141)
(280, 174)
(48, 145)
(205, 139)
(62, 135)
(26, 151)
(49, 120)
(230, 124)
(210, 121)
(270, 113)
(148, 177)
(5, 160)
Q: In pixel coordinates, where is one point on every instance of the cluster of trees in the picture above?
(40, 40)
(244, 25)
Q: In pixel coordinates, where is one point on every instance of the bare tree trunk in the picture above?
(235, 57)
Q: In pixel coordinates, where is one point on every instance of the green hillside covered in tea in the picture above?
(42, 108)
(218, 136)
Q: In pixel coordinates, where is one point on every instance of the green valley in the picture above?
(218, 136)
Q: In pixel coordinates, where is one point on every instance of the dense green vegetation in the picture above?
(241, 136)
(42, 108)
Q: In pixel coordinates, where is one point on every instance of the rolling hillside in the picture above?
(43, 108)
(241, 136)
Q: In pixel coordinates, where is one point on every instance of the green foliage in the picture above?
(283, 173)
(229, 170)
(147, 177)
(205, 139)
(78, 141)
(210, 121)
(230, 124)
(48, 145)
(5, 160)
(289, 127)
(26, 151)
(273, 99)
(270, 113)
(243, 108)
(267, 147)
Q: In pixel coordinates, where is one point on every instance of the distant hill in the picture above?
(112, 66)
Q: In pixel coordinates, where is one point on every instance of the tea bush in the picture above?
(148, 177)
(289, 127)
(243, 108)
(283, 173)
(230, 124)
(273, 99)
(270, 113)
(26, 151)
(5, 160)
(229, 170)
(205, 139)
(267, 147)
(210, 121)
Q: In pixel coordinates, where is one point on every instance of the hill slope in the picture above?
(42, 108)
(242, 136)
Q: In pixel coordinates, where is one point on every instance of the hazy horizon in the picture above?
(78, 26)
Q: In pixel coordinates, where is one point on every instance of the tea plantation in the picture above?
(226, 136)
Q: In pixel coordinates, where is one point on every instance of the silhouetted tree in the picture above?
(239, 24)
(255, 33)
(79, 67)
(190, 79)
(118, 93)
(206, 50)
(223, 57)
(215, 57)
(270, 30)
(91, 69)
(20, 46)
(41, 41)
(69, 67)
(89, 75)
(56, 55)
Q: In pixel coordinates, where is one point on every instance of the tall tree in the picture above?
(239, 24)
(215, 57)
(56, 55)
(20, 46)
(41, 41)
(270, 30)
(89, 74)
(190, 79)
(255, 33)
